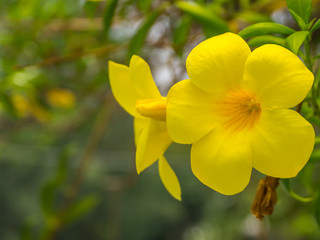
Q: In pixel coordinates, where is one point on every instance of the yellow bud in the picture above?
(152, 108)
(61, 98)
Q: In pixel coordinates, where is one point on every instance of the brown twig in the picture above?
(56, 60)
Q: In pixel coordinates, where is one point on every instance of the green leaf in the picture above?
(315, 156)
(137, 40)
(310, 24)
(301, 7)
(299, 20)
(287, 186)
(7, 104)
(317, 208)
(266, 39)
(211, 24)
(144, 5)
(108, 15)
(50, 188)
(47, 197)
(81, 208)
(313, 119)
(316, 26)
(295, 40)
(265, 28)
(26, 231)
(180, 33)
(90, 8)
(252, 17)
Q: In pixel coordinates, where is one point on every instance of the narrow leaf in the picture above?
(295, 40)
(212, 24)
(301, 8)
(108, 15)
(316, 26)
(81, 208)
(51, 187)
(144, 5)
(299, 20)
(315, 156)
(137, 40)
(180, 33)
(252, 17)
(265, 28)
(47, 197)
(266, 39)
(317, 208)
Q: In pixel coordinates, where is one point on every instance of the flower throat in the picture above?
(240, 110)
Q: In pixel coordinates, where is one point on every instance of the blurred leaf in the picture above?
(265, 28)
(7, 104)
(26, 230)
(49, 190)
(47, 197)
(301, 7)
(317, 208)
(266, 39)
(313, 119)
(108, 15)
(295, 40)
(137, 40)
(244, 4)
(299, 20)
(144, 5)
(180, 33)
(81, 208)
(90, 7)
(212, 24)
(253, 17)
(287, 186)
(316, 26)
(315, 156)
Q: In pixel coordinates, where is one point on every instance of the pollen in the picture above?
(239, 110)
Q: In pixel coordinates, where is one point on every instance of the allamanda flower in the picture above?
(234, 109)
(134, 89)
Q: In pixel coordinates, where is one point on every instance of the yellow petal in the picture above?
(169, 178)
(142, 79)
(281, 143)
(190, 112)
(122, 87)
(222, 161)
(277, 77)
(139, 124)
(217, 63)
(154, 141)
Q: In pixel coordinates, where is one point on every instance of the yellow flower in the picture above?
(234, 109)
(134, 89)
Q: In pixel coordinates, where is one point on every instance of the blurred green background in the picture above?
(66, 147)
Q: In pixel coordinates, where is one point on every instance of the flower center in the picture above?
(240, 110)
